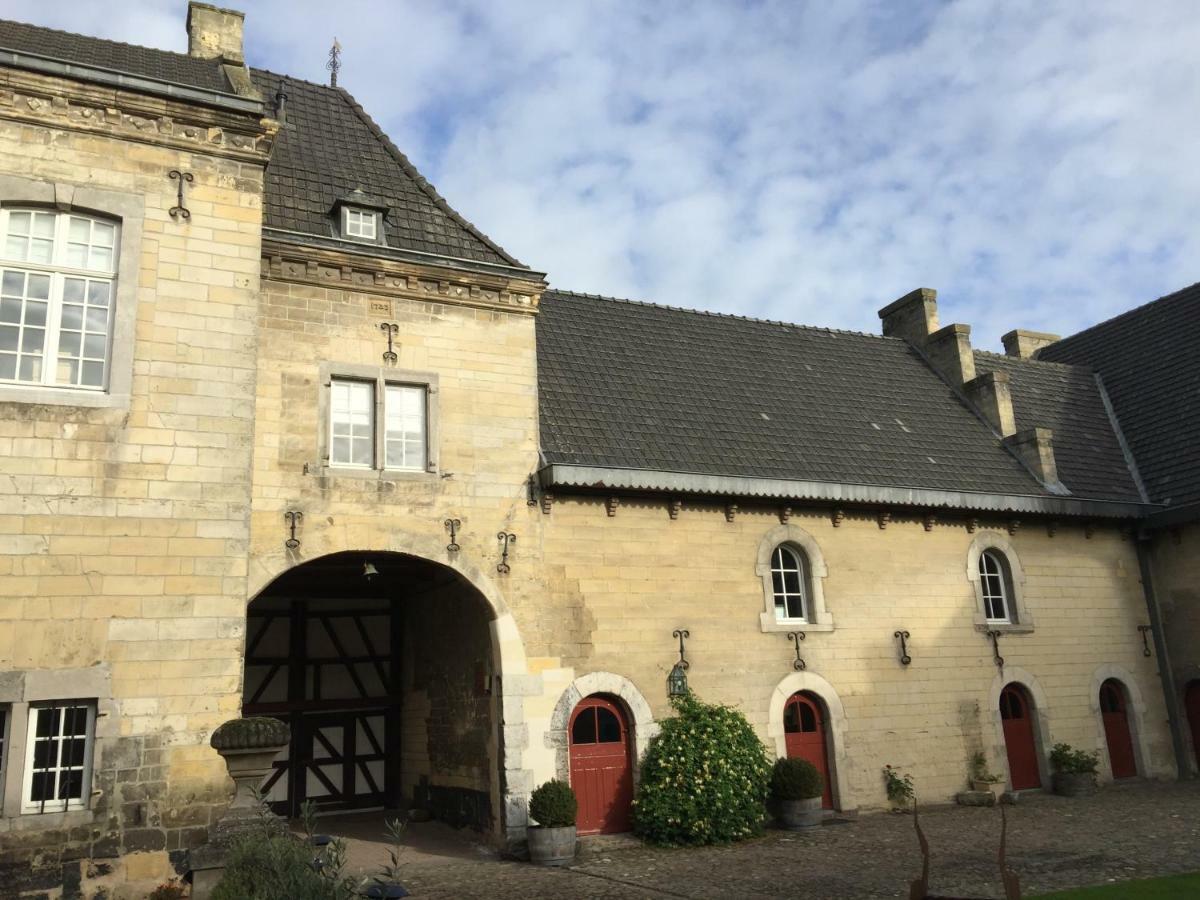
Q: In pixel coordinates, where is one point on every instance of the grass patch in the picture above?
(1172, 887)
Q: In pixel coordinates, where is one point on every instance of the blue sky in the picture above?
(1035, 162)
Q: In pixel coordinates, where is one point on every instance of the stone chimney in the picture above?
(1035, 448)
(914, 318)
(215, 33)
(1025, 344)
(991, 395)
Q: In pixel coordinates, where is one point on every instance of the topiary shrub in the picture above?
(553, 804)
(796, 779)
(704, 778)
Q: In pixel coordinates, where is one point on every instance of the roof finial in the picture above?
(335, 62)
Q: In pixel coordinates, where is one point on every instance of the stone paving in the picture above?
(1126, 831)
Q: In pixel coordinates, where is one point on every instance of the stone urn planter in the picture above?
(1074, 784)
(552, 841)
(248, 746)
(797, 814)
(982, 784)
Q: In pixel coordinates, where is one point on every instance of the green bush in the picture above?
(704, 778)
(796, 779)
(553, 804)
(1074, 762)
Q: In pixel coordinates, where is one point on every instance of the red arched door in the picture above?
(804, 732)
(1192, 702)
(601, 768)
(1016, 712)
(1116, 729)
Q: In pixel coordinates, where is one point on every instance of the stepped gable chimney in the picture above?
(217, 34)
(1025, 344)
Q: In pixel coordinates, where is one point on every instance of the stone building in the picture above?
(281, 433)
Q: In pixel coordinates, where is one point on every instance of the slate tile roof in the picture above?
(1149, 359)
(162, 65)
(633, 385)
(1067, 399)
(329, 147)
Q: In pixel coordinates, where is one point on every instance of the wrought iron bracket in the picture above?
(293, 518)
(1145, 629)
(905, 659)
(796, 637)
(179, 211)
(996, 657)
(505, 538)
(682, 633)
(391, 329)
(452, 526)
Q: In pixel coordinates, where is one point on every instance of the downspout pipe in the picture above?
(1182, 763)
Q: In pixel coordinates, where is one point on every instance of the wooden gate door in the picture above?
(1016, 712)
(1114, 711)
(601, 767)
(1192, 702)
(804, 733)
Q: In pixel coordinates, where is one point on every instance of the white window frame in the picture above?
(402, 390)
(370, 388)
(57, 270)
(381, 379)
(816, 616)
(1000, 547)
(355, 221)
(994, 580)
(30, 806)
(779, 559)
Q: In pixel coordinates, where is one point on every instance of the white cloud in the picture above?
(1033, 161)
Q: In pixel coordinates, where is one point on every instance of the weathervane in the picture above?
(335, 62)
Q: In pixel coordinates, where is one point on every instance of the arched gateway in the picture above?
(383, 665)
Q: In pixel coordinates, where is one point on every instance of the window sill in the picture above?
(378, 474)
(1004, 627)
(52, 396)
(72, 818)
(769, 623)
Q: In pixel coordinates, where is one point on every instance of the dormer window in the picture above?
(360, 224)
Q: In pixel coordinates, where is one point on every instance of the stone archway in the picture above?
(1136, 710)
(505, 678)
(839, 765)
(1041, 709)
(641, 719)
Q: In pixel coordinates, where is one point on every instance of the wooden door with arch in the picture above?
(601, 766)
(805, 733)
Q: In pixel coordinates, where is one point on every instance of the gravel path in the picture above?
(1126, 831)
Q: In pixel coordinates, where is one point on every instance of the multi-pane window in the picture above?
(790, 583)
(993, 577)
(359, 223)
(357, 408)
(58, 758)
(57, 280)
(404, 427)
(352, 423)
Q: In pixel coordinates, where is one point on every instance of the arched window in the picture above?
(789, 581)
(996, 583)
(57, 287)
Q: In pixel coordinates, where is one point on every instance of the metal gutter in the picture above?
(602, 478)
(49, 65)
(1165, 675)
(377, 251)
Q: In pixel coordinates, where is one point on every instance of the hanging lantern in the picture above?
(677, 681)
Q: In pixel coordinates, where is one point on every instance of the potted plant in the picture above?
(1074, 770)
(552, 839)
(796, 787)
(982, 779)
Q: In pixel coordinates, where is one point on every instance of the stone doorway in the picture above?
(381, 664)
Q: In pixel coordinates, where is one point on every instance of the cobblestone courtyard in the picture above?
(1127, 831)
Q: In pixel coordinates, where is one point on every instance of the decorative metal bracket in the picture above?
(682, 633)
(293, 517)
(1145, 643)
(531, 490)
(996, 657)
(905, 659)
(796, 637)
(179, 211)
(505, 539)
(391, 329)
(452, 526)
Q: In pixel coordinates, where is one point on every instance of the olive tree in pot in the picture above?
(552, 839)
(1074, 770)
(796, 786)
